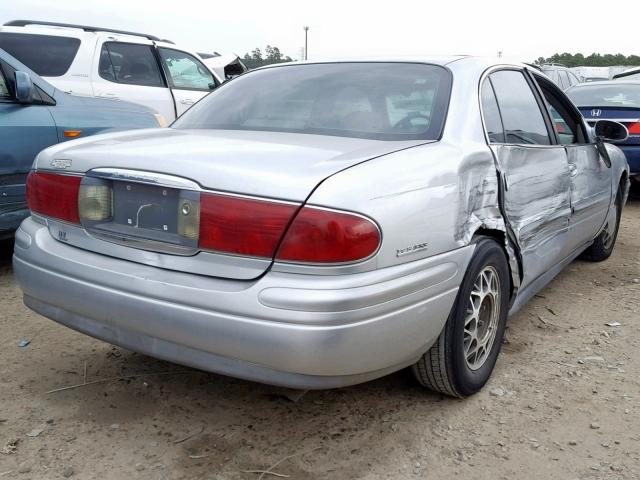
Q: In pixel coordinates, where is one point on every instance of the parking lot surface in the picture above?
(563, 402)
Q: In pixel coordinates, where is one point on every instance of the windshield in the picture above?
(383, 101)
(617, 95)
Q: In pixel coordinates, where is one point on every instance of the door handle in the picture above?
(573, 169)
(187, 101)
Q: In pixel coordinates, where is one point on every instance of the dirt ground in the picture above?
(563, 403)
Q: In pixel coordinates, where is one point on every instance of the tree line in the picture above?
(256, 59)
(593, 60)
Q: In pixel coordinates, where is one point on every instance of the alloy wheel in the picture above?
(481, 322)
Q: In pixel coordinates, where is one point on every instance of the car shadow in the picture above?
(6, 252)
(240, 422)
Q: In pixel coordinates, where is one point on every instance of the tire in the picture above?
(445, 368)
(602, 246)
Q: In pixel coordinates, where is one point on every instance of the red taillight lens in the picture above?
(242, 226)
(634, 128)
(326, 236)
(54, 195)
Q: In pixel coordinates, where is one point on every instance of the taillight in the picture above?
(328, 236)
(242, 226)
(54, 195)
(634, 128)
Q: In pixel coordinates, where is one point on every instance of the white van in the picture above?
(112, 64)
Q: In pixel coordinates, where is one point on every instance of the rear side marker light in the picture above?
(328, 236)
(54, 195)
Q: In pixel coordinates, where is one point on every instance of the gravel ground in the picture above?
(563, 402)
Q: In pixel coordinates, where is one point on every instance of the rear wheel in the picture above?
(602, 246)
(463, 357)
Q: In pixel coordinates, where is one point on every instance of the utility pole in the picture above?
(306, 32)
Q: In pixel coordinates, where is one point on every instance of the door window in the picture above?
(521, 115)
(566, 121)
(47, 55)
(491, 114)
(129, 63)
(185, 71)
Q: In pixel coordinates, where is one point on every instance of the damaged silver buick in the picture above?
(317, 225)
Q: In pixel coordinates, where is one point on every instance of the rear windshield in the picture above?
(616, 95)
(383, 101)
(47, 55)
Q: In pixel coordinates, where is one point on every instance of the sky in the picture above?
(355, 28)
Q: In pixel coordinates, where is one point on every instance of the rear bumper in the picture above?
(299, 331)
(632, 152)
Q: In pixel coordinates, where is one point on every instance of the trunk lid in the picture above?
(152, 173)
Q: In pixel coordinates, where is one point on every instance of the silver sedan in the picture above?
(317, 225)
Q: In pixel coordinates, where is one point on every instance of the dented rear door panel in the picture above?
(536, 203)
(590, 192)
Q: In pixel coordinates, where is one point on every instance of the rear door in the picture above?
(534, 171)
(189, 78)
(24, 131)
(590, 176)
(130, 72)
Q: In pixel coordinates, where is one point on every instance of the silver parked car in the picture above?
(318, 225)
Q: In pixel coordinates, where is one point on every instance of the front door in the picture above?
(189, 79)
(534, 171)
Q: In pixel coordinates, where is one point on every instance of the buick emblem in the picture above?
(596, 112)
(61, 163)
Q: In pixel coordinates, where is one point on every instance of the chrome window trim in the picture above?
(483, 77)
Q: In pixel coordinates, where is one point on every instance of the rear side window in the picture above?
(491, 114)
(47, 55)
(521, 114)
(129, 63)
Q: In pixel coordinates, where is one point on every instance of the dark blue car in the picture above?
(613, 100)
(35, 115)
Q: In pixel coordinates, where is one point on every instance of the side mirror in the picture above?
(24, 87)
(610, 131)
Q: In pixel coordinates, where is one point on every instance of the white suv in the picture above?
(113, 64)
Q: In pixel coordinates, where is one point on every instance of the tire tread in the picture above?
(431, 369)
